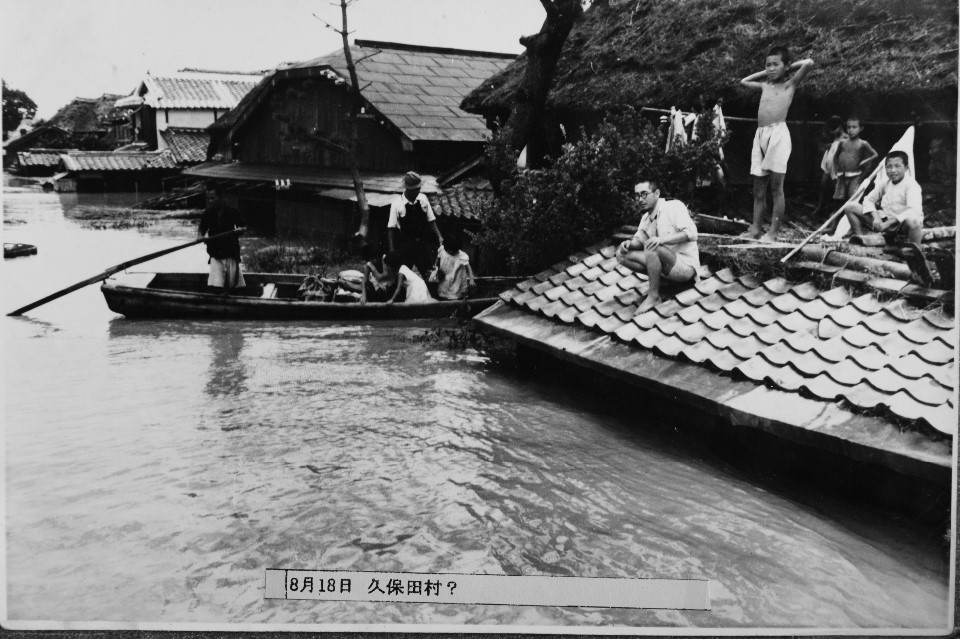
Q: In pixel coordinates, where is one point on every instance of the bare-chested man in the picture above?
(771, 144)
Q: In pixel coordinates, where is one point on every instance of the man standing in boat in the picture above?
(412, 227)
(224, 252)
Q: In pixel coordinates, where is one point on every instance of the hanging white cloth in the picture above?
(719, 124)
(676, 134)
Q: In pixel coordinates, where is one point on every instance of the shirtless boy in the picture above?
(771, 144)
(854, 157)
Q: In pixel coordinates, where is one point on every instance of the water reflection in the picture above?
(228, 374)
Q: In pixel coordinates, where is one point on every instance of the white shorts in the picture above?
(771, 149)
(682, 270)
(225, 273)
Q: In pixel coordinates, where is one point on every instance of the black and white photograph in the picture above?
(511, 316)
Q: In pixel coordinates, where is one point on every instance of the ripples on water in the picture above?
(155, 469)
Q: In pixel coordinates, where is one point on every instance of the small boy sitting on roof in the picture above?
(894, 207)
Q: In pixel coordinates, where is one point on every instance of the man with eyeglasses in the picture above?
(665, 244)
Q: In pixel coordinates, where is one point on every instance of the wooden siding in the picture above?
(280, 131)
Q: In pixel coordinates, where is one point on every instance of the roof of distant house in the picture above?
(39, 157)
(110, 161)
(87, 115)
(192, 89)
(462, 200)
(188, 146)
(418, 89)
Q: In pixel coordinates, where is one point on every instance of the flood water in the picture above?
(155, 469)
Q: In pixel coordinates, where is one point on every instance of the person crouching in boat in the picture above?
(378, 284)
(413, 287)
(224, 252)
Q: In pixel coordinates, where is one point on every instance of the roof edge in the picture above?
(418, 48)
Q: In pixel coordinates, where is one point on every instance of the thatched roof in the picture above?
(891, 56)
(88, 115)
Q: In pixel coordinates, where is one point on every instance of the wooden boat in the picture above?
(18, 250)
(269, 296)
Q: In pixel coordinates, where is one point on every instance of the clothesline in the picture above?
(734, 118)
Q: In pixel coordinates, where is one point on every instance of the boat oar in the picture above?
(116, 269)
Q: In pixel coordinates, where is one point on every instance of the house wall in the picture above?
(317, 219)
(186, 118)
(146, 119)
(280, 130)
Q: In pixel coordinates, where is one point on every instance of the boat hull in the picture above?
(18, 250)
(160, 299)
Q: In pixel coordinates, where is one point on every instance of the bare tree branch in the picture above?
(327, 24)
(361, 59)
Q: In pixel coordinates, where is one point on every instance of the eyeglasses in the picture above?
(644, 194)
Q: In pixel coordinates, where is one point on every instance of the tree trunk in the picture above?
(525, 127)
(353, 144)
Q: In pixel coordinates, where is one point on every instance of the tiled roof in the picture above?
(38, 158)
(460, 201)
(830, 345)
(192, 90)
(419, 89)
(109, 161)
(188, 146)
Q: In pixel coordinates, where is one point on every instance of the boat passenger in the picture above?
(453, 270)
(378, 283)
(224, 252)
(413, 286)
(412, 226)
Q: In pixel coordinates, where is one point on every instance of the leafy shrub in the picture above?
(540, 217)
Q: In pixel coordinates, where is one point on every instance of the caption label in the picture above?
(330, 585)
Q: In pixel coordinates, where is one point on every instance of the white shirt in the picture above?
(902, 200)
(398, 209)
(456, 275)
(416, 288)
(669, 217)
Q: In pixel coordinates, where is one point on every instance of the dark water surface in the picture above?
(155, 469)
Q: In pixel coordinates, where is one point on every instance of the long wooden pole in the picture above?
(116, 269)
(832, 218)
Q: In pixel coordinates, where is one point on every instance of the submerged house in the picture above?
(832, 361)
(890, 62)
(102, 171)
(281, 133)
(172, 111)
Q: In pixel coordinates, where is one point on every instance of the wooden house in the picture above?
(889, 61)
(172, 111)
(280, 133)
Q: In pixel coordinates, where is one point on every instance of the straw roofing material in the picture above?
(87, 115)
(644, 52)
